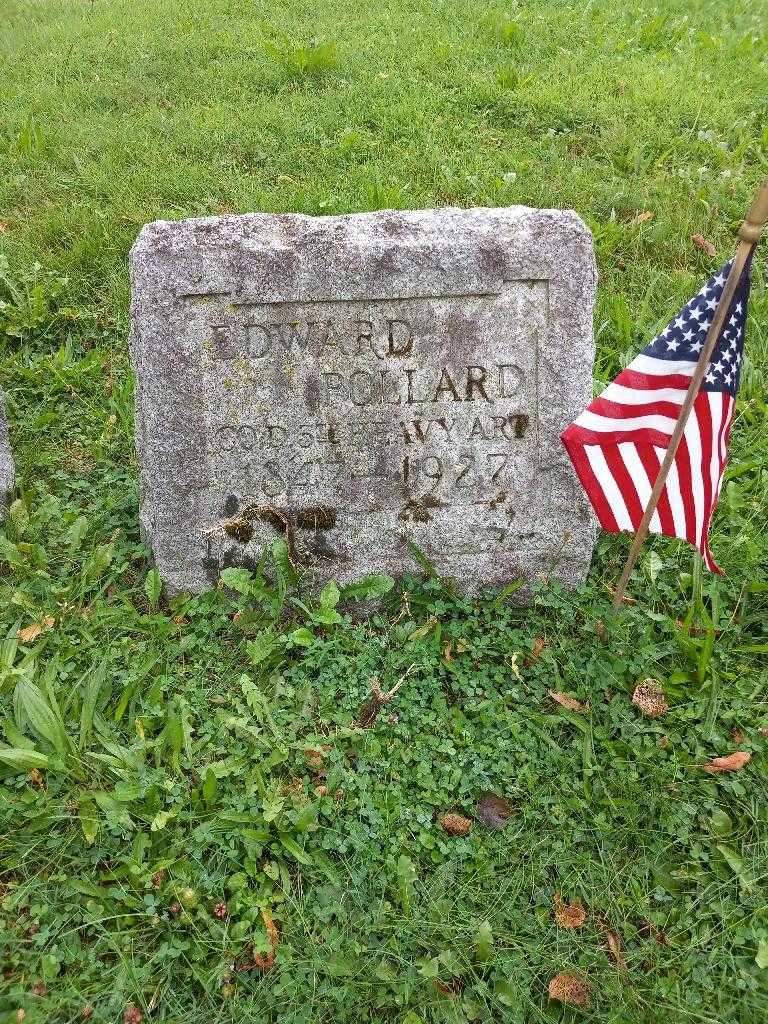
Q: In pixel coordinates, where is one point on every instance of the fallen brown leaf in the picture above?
(701, 243)
(737, 736)
(538, 646)
(315, 757)
(641, 218)
(266, 961)
(448, 652)
(448, 988)
(30, 633)
(568, 702)
(650, 698)
(614, 946)
(570, 989)
(569, 915)
(3, 226)
(729, 763)
(494, 811)
(456, 824)
(647, 929)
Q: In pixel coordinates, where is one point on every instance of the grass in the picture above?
(171, 758)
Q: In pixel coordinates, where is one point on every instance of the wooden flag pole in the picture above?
(749, 235)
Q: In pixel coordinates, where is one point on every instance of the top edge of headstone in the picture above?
(376, 227)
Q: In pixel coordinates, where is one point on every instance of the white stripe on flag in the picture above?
(693, 440)
(728, 407)
(636, 470)
(716, 410)
(606, 424)
(672, 488)
(658, 367)
(609, 486)
(638, 396)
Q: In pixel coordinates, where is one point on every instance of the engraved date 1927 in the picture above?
(429, 473)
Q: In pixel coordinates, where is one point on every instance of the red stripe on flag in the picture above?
(617, 410)
(683, 464)
(603, 438)
(652, 465)
(589, 481)
(725, 426)
(651, 382)
(626, 485)
(703, 414)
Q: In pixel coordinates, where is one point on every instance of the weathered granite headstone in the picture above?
(355, 383)
(6, 463)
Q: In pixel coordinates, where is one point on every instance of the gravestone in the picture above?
(6, 463)
(359, 383)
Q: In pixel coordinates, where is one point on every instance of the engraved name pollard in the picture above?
(420, 387)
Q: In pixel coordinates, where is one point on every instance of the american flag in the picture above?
(618, 443)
